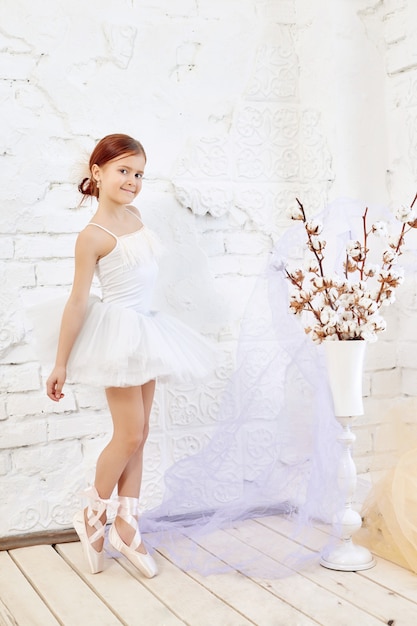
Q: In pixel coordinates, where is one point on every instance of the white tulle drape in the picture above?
(274, 451)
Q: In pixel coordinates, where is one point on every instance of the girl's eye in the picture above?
(123, 171)
(138, 175)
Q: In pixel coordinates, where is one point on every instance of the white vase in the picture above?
(344, 361)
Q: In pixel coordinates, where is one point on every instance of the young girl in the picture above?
(117, 342)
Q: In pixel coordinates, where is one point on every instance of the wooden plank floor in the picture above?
(46, 586)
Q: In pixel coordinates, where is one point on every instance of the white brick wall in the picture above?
(202, 85)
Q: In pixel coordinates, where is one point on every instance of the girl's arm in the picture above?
(86, 255)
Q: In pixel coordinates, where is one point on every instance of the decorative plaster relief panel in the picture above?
(188, 445)
(270, 140)
(188, 406)
(45, 514)
(42, 512)
(275, 76)
(155, 465)
(157, 409)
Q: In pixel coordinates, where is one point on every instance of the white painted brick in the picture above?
(37, 403)
(52, 220)
(386, 383)
(57, 272)
(409, 382)
(407, 354)
(78, 425)
(362, 464)
(366, 384)
(45, 247)
(237, 264)
(90, 397)
(23, 377)
(407, 328)
(375, 410)
(58, 211)
(44, 459)
(247, 243)
(375, 463)
(63, 489)
(391, 315)
(8, 219)
(6, 248)
(364, 443)
(3, 412)
(401, 57)
(18, 433)
(212, 243)
(5, 462)
(394, 27)
(18, 274)
(381, 354)
(42, 294)
(19, 354)
(92, 447)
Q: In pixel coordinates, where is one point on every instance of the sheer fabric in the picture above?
(275, 449)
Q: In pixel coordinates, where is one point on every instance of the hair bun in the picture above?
(88, 187)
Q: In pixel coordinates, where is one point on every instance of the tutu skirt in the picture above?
(120, 347)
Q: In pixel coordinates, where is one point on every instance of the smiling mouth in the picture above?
(128, 190)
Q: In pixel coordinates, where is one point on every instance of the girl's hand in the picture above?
(55, 383)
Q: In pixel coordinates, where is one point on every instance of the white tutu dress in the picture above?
(123, 342)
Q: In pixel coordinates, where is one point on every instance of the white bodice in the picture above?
(128, 273)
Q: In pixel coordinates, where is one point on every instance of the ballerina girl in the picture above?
(118, 343)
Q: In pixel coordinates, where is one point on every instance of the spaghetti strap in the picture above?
(132, 213)
(102, 228)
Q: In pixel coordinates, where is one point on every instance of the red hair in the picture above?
(107, 149)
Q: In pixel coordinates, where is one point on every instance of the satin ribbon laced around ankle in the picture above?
(128, 510)
(95, 508)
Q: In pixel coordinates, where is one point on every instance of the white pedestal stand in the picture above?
(345, 368)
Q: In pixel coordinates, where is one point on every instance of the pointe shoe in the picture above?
(96, 507)
(128, 511)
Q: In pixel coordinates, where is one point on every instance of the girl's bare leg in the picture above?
(130, 429)
(130, 481)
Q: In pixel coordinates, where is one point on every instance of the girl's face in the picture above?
(120, 180)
